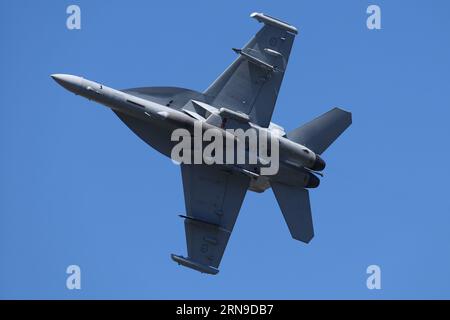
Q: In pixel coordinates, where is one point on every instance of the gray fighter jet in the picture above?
(243, 96)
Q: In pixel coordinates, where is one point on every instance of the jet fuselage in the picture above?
(297, 163)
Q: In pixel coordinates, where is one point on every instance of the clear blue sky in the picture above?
(77, 187)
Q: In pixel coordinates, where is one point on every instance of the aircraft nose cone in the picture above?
(69, 82)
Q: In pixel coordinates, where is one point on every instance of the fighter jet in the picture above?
(243, 96)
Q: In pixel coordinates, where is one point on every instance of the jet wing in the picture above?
(252, 82)
(213, 198)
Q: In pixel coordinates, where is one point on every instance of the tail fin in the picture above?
(295, 206)
(321, 132)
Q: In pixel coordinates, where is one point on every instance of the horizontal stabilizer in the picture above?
(295, 206)
(321, 132)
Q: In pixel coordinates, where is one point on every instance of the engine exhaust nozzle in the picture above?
(319, 164)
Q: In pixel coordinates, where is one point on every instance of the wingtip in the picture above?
(261, 17)
(186, 262)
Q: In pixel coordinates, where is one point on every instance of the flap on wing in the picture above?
(213, 199)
